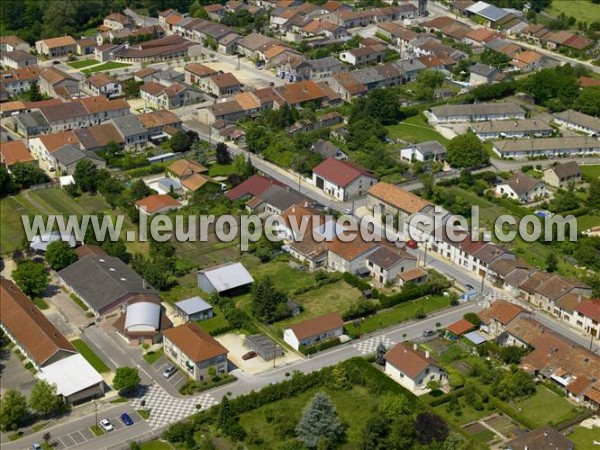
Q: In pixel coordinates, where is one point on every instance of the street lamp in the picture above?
(96, 411)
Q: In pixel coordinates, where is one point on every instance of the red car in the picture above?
(411, 244)
(249, 355)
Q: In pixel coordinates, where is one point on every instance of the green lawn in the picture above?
(221, 170)
(106, 66)
(57, 201)
(546, 406)
(152, 357)
(94, 203)
(83, 63)
(91, 357)
(580, 9)
(290, 411)
(415, 130)
(400, 313)
(467, 413)
(590, 172)
(584, 438)
(285, 277)
(97, 430)
(335, 297)
(214, 323)
(11, 227)
(156, 445)
(587, 221)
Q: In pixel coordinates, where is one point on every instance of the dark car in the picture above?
(249, 355)
(126, 419)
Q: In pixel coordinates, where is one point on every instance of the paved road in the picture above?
(143, 21)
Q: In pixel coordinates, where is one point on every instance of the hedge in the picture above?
(319, 347)
(409, 293)
(358, 283)
(192, 386)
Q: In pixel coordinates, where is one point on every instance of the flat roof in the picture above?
(71, 375)
(476, 337)
(193, 305)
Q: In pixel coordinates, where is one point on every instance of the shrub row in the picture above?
(359, 283)
(411, 293)
(222, 330)
(193, 386)
(309, 350)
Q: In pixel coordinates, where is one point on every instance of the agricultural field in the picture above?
(583, 10)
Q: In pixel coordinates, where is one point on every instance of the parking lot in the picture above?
(84, 435)
(175, 381)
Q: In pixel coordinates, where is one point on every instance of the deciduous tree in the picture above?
(126, 379)
(466, 150)
(44, 399)
(59, 255)
(31, 277)
(13, 410)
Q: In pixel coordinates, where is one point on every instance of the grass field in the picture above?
(83, 63)
(285, 277)
(415, 130)
(106, 66)
(584, 438)
(290, 411)
(590, 172)
(400, 313)
(91, 357)
(335, 297)
(57, 201)
(214, 323)
(221, 170)
(580, 9)
(11, 228)
(152, 357)
(545, 406)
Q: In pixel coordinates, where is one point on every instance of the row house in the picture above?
(162, 49)
(42, 147)
(17, 81)
(326, 28)
(400, 36)
(57, 47)
(549, 147)
(506, 129)
(297, 68)
(578, 121)
(97, 137)
(362, 56)
(359, 82)
(56, 83)
(222, 84)
(156, 121)
(13, 44)
(105, 85)
(18, 59)
(476, 112)
(118, 21)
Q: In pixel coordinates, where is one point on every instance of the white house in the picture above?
(425, 151)
(370, 54)
(314, 331)
(476, 112)
(386, 264)
(495, 129)
(224, 278)
(522, 187)
(349, 256)
(341, 179)
(577, 121)
(413, 369)
(194, 351)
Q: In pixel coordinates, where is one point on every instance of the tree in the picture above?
(59, 255)
(13, 410)
(223, 155)
(403, 434)
(131, 88)
(375, 433)
(594, 193)
(588, 101)
(512, 354)
(31, 277)
(473, 318)
(126, 379)
(268, 304)
(320, 423)
(33, 93)
(392, 406)
(513, 385)
(430, 427)
(86, 175)
(139, 190)
(467, 151)
(339, 378)
(225, 416)
(7, 183)
(431, 78)
(551, 263)
(380, 356)
(180, 142)
(27, 174)
(44, 399)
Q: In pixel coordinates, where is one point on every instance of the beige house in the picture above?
(194, 351)
(57, 47)
(561, 175)
(385, 264)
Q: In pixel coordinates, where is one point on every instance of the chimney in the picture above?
(427, 354)
(415, 347)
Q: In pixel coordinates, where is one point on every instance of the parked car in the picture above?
(411, 244)
(347, 211)
(428, 333)
(105, 423)
(169, 371)
(126, 419)
(36, 446)
(249, 355)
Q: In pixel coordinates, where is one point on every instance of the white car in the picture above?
(105, 423)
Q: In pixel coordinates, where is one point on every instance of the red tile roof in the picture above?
(408, 360)
(502, 311)
(194, 342)
(461, 327)
(590, 309)
(255, 185)
(14, 152)
(316, 326)
(155, 202)
(339, 172)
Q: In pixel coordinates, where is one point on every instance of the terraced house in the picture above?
(57, 47)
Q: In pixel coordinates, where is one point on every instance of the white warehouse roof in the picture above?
(142, 313)
(193, 305)
(71, 375)
(228, 277)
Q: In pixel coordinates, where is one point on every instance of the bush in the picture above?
(319, 347)
(193, 387)
(355, 281)
(412, 292)
(362, 309)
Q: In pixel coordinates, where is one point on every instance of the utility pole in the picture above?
(96, 411)
(425, 256)
(482, 284)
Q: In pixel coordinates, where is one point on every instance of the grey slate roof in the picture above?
(577, 118)
(431, 148)
(282, 198)
(128, 125)
(386, 259)
(70, 154)
(522, 184)
(567, 169)
(101, 281)
(33, 119)
(326, 149)
(193, 305)
(324, 63)
(478, 109)
(483, 69)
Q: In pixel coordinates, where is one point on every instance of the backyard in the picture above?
(584, 438)
(415, 130)
(545, 406)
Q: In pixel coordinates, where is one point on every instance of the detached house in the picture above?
(423, 152)
(385, 264)
(168, 97)
(194, 351)
(562, 175)
(223, 84)
(362, 56)
(57, 47)
(522, 187)
(341, 179)
(413, 368)
(102, 84)
(314, 331)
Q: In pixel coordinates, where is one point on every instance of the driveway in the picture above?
(171, 384)
(111, 347)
